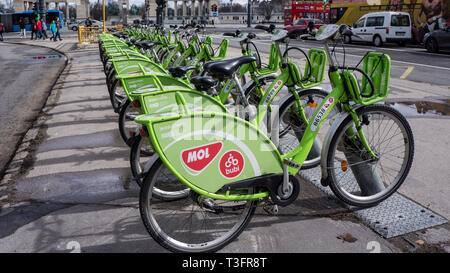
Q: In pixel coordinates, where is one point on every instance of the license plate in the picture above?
(400, 33)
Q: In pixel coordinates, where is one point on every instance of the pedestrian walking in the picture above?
(33, 28)
(88, 22)
(44, 29)
(53, 29)
(58, 30)
(1, 31)
(23, 31)
(38, 30)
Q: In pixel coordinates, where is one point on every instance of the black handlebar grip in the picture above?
(232, 34)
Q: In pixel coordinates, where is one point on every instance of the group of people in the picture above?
(39, 29)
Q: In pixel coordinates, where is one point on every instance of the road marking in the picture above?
(402, 62)
(407, 72)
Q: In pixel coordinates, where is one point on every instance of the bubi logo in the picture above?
(198, 158)
(231, 164)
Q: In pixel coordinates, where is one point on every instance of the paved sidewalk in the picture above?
(73, 191)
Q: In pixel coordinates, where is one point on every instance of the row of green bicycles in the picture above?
(212, 137)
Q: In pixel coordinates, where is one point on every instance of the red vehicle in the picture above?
(303, 23)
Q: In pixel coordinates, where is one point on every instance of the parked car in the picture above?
(303, 24)
(437, 40)
(381, 27)
(74, 26)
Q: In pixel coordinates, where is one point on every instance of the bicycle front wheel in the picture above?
(194, 223)
(357, 178)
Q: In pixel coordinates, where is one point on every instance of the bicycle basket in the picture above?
(377, 66)
(318, 59)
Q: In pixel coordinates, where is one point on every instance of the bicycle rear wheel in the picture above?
(353, 175)
(140, 155)
(194, 223)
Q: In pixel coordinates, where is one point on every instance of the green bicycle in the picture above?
(260, 78)
(229, 165)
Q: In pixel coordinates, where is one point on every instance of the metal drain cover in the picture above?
(393, 217)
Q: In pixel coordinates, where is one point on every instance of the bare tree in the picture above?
(266, 9)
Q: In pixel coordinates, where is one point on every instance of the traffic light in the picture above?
(161, 3)
(214, 8)
(35, 6)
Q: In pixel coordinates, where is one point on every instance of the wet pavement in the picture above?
(27, 76)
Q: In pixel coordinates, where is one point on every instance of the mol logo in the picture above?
(198, 158)
(231, 164)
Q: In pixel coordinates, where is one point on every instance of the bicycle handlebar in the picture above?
(269, 29)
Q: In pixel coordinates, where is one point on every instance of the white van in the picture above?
(382, 27)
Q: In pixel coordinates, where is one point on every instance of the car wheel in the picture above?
(377, 41)
(347, 39)
(74, 28)
(432, 46)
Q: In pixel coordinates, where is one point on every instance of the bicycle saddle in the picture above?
(203, 83)
(226, 68)
(136, 40)
(180, 71)
(149, 45)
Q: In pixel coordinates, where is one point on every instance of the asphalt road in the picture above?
(412, 62)
(25, 81)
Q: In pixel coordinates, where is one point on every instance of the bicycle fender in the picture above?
(327, 142)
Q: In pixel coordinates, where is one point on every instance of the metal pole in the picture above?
(42, 10)
(249, 15)
(104, 17)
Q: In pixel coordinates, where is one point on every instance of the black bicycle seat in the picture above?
(203, 83)
(136, 40)
(226, 68)
(149, 45)
(180, 71)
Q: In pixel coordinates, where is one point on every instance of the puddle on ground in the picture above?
(433, 108)
(46, 57)
(41, 59)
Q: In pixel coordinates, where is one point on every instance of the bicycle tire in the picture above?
(292, 127)
(253, 50)
(116, 96)
(186, 239)
(347, 190)
(136, 155)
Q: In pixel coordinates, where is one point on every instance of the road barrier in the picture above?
(90, 34)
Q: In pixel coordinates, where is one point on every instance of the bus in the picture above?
(305, 9)
(11, 21)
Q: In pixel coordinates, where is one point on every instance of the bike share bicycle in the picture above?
(260, 78)
(195, 150)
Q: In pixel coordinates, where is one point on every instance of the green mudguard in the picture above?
(175, 101)
(207, 150)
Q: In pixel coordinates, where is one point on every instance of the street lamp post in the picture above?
(42, 10)
(159, 12)
(249, 15)
(104, 17)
